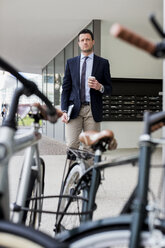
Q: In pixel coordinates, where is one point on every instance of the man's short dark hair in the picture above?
(86, 31)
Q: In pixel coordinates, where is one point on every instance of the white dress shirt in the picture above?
(89, 66)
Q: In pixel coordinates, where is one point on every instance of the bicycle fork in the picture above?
(23, 186)
(140, 202)
(94, 185)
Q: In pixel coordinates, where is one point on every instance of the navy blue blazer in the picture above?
(71, 86)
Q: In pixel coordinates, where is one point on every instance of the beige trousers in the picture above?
(84, 122)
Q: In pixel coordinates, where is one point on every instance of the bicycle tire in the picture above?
(70, 221)
(18, 236)
(112, 235)
(33, 218)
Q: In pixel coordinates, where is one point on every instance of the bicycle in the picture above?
(81, 181)
(141, 224)
(27, 208)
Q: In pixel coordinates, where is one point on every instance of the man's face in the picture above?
(86, 43)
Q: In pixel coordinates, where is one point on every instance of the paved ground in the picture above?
(49, 146)
(118, 183)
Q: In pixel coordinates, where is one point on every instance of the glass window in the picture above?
(7, 85)
(69, 51)
(90, 26)
(76, 47)
(58, 76)
(37, 79)
(44, 81)
(50, 81)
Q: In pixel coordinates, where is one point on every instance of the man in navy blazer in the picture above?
(86, 114)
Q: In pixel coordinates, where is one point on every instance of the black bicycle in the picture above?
(138, 212)
(81, 180)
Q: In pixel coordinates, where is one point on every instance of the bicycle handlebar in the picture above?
(129, 36)
(156, 50)
(29, 88)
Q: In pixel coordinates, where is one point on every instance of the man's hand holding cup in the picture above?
(93, 83)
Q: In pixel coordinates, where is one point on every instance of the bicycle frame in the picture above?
(94, 185)
(24, 181)
(141, 198)
(90, 190)
(96, 176)
(13, 143)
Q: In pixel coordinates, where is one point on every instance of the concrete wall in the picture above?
(128, 62)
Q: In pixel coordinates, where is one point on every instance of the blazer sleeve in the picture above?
(66, 88)
(107, 79)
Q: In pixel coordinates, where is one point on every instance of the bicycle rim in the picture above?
(18, 236)
(8, 240)
(70, 221)
(36, 190)
(118, 238)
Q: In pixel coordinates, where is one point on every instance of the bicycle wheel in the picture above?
(36, 189)
(68, 222)
(18, 236)
(114, 237)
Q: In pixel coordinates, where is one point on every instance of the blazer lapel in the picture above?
(78, 71)
(95, 64)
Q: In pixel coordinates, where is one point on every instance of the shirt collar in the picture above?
(89, 56)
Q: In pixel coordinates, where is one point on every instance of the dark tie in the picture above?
(83, 73)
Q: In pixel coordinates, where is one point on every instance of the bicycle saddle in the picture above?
(90, 138)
